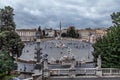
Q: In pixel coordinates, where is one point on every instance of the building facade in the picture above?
(27, 34)
(49, 32)
(91, 35)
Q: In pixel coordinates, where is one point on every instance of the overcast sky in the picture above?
(49, 13)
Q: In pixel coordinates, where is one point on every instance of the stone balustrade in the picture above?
(86, 72)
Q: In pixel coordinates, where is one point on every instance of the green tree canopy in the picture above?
(6, 19)
(71, 32)
(108, 46)
(6, 63)
(64, 35)
(9, 39)
(116, 18)
(10, 42)
(55, 33)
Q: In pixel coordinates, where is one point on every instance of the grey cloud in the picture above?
(48, 13)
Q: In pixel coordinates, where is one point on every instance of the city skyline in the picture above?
(49, 13)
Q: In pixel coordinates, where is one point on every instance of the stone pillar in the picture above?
(72, 63)
(45, 64)
(72, 69)
(46, 73)
(72, 66)
(99, 71)
(72, 73)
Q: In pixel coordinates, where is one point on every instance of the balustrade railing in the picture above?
(86, 71)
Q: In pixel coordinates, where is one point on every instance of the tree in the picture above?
(63, 35)
(77, 35)
(10, 42)
(9, 39)
(6, 63)
(71, 32)
(6, 19)
(116, 18)
(88, 28)
(43, 32)
(108, 46)
(55, 33)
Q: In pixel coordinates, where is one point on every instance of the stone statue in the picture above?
(99, 61)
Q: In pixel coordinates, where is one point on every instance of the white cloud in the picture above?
(34, 12)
